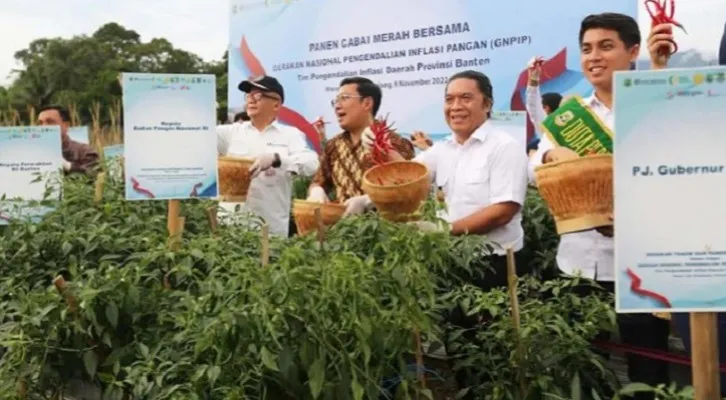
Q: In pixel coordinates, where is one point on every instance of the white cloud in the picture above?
(199, 26)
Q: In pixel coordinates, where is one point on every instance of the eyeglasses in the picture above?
(257, 96)
(343, 97)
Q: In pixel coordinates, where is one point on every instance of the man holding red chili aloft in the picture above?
(349, 154)
(610, 42)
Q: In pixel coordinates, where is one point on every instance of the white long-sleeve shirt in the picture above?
(588, 253)
(537, 114)
(270, 194)
(534, 106)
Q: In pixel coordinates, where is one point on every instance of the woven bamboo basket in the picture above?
(579, 192)
(398, 189)
(234, 178)
(304, 213)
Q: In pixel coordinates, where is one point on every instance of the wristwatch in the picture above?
(277, 163)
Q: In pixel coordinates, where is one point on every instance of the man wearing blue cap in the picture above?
(280, 153)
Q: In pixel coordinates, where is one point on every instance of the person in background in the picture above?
(610, 42)
(77, 157)
(538, 108)
(280, 153)
(482, 173)
(347, 155)
(241, 117)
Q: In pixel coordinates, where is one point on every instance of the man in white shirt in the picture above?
(280, 153)
(610, 42)
(482, 172)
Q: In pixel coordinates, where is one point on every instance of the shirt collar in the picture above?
(593, 102)
(273, 126)
(480, 134)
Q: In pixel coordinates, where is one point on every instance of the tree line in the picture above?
(82, 71)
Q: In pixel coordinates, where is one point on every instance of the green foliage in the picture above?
(209, 322)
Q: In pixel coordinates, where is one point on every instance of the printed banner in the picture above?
(114, 159)
(409, 47)
(170, 140)
(670, 174)
(30, 165)
(79, 134)
(575, 126)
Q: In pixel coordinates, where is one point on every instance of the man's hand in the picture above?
(427, 226)
(319, 126)
(534, 68)
(262, 163)
(356, 205)
(368, 139)
(317, 194)
(661, 36)
(421, 140)
(558, 154)
(607, 230)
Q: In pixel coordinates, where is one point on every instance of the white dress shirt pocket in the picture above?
(475, 185)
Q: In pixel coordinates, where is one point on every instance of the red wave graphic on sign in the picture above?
(635, 287)
(287, 115)
(138, 189)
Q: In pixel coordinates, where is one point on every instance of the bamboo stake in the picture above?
(175, 224)
(514, 301)
(60, 285)
(265, 253)
(419, 358)
(22, 388)
(31, 116)
(320, 227)
(212, 218)
(705, 365)
(100, 181)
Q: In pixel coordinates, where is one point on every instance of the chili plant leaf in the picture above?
(90, 361)
(268, 359)
(316, 377)
(112, 314)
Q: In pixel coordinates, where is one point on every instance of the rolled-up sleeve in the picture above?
(508, 174)
(534, 106)
(301, 159)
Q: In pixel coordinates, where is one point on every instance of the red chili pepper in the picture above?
(635, 288)
(660, 13)
(381, 140)
(138, 189)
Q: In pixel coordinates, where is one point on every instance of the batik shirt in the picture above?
(343, 163)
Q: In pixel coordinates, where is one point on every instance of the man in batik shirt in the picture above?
(348, 155)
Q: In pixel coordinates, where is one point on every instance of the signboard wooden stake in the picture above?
(514, 302)
(704, 355)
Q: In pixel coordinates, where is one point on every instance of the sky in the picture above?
(201, 26)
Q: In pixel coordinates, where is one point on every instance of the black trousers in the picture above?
(639, 330)
(458, 319)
